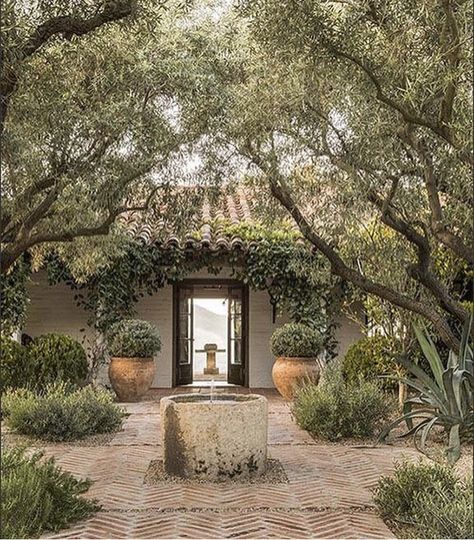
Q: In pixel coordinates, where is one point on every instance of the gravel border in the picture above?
(275, 474)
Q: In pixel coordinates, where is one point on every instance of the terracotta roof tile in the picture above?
(206, 227)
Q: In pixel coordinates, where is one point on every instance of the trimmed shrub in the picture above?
(426, 500)
(133, 338)
(38, 496)
(442, 514)
(335, 409)
(370, 358)
(61, 413)
(56, 357)
(296, 340)
(14, 366)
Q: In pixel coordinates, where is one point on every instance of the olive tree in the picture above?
(359, 111)
(101, 104)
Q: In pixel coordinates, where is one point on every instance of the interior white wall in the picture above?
(210, 326)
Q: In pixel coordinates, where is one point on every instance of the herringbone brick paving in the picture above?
(328, 494)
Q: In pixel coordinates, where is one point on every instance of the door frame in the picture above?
(245, 318)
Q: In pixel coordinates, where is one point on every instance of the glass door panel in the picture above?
(185, 338)
(236, 360)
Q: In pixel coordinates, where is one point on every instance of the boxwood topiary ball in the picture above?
(296, 340)
(133, 338)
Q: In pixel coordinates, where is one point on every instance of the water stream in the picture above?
(212, 390)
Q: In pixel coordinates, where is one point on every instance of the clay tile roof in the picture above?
(206, 225)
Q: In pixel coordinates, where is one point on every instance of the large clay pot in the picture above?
(289, 372)
(131, 378)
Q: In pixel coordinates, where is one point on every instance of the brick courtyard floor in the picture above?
(328, 494)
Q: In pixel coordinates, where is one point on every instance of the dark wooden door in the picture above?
(184, 335)
(236, 336)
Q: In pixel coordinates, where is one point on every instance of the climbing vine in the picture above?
(296, 279)
(14, 296)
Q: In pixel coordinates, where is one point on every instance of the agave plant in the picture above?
(445, 397)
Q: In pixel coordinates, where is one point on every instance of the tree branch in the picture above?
(452, 49)
(340, 268)
(66, 26)
(409, 116)
(422, 271)
(437, 223)
(440, 129)
(13, 251)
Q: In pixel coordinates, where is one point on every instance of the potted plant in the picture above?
(132, 344)
(296, 347)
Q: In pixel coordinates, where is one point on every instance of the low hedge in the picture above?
(37, 496)
(57, 357)
(61, 413)
(335, 409)
(15, 369)
(370, 358)
(426, 500)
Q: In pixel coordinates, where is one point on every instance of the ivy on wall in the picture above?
(296, 279)
(277, 261)
(14, 296)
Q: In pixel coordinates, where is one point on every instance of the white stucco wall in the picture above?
(347, 332)
(261, 327)
(53, 309)
(158, 309)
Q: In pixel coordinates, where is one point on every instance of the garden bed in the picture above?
(10, 439)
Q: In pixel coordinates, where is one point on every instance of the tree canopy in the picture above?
(355, 116)
(358, 117)
(102, 102)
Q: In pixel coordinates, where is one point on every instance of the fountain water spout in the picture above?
(212, 390)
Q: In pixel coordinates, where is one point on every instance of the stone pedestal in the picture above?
(214, 440)
(211, 368)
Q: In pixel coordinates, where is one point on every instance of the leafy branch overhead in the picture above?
(99, 114)
(359, 111)
(65, 26)
(353, 117)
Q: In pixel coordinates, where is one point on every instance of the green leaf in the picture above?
(454, 449)
(429, 383)
(420, 413)
(454, 408)
(460, 377)
(431, 354)
(426, 430)
(465, 351)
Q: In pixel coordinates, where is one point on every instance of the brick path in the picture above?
(328, 494)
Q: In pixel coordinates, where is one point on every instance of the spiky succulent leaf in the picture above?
(454, 449)
(445, 400)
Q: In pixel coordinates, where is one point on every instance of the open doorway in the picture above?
(210, 339)
(210, 333)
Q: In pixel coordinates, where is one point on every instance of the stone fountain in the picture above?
(214, 439)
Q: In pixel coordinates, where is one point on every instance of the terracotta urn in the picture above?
(131, 378)
(289, 372)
